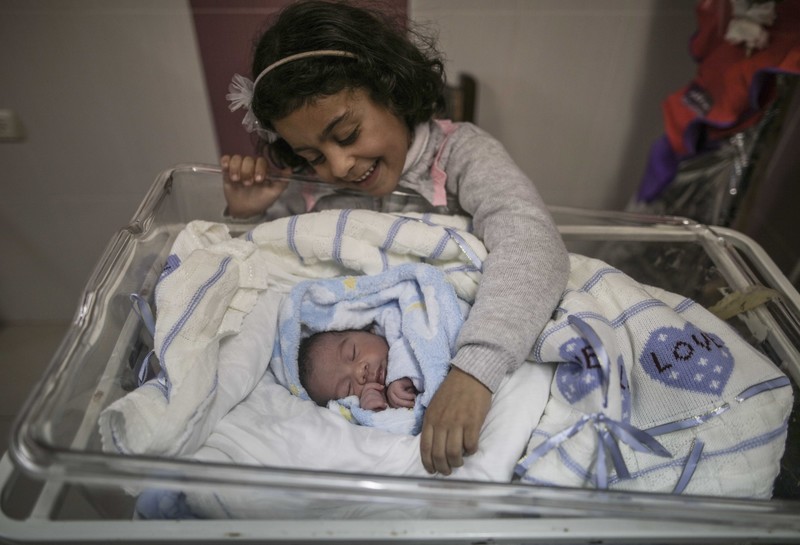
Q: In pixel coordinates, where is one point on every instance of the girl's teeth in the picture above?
(366, 174)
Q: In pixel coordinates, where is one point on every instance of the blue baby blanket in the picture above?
(413, 306)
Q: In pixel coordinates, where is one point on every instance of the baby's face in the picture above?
(343, 362)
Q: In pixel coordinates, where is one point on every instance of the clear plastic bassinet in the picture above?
(58, 484)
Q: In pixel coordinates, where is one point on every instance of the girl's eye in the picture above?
(349, 139)
(318, 160)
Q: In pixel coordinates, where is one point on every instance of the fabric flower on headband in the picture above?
(240, 95)
(240, 90)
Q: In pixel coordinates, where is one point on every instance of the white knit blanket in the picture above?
(653, 393)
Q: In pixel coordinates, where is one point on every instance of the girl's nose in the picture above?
(340, 163)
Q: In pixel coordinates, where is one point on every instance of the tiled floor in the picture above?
(25, 352)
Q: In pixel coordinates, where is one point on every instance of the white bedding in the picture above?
(217, 401)
(271, 427)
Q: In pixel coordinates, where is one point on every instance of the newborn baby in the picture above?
(338, 364)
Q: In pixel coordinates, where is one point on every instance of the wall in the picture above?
(109, 94)
(572, 88)
(112, 92)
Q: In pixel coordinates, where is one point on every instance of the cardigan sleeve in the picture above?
(525, 272)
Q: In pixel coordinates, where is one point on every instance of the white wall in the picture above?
(110, 94)
(571, 87)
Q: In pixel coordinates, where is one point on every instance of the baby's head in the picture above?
(402, 76)
(337, 364)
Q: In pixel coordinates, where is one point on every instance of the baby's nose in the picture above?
(361, 372)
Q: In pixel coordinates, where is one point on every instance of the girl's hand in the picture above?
(248, 189)
(453, 422)
(401, 393)
(371, 397)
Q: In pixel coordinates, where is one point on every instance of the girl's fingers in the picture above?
(234, 168)
(247, 170)
(439, 452)
(471, 437)
(244, 169)
(426, 447)
(260, 173)
(454, 448)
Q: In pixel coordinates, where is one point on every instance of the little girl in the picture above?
(345, 93)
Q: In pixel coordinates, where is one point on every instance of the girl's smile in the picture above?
(350, 141)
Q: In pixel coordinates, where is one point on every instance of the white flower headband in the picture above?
(241, 89)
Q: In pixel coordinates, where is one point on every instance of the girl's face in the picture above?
(343, 362)
(350, 141)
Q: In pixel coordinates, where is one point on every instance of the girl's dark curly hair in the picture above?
(402, 74)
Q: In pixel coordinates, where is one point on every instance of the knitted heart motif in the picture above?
(689, 359)
(579, 373)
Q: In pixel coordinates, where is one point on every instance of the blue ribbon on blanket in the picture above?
(599, 349)
(691, 465)
(767, 385)
(142, 309)
(608, 431)
(143, 370)
(465, 248)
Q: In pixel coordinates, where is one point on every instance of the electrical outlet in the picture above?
(10, 126)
